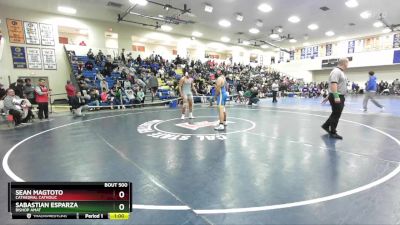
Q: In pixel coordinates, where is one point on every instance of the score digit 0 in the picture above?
(121, 194)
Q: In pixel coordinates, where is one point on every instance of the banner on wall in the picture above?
(396, 41)
(303, 53)
(16, 31)
(359, 46)
(309, 52)
(49, 59)
(315, 52)
(396, 57)
(281, 56)
(328, 50)
(291, 55)
(34, 58)
(351, 47)
(18, 57)
(32, 33)
(46, 34)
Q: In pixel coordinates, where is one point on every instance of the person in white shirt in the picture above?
(275, 89)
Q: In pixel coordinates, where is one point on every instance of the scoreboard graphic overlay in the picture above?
(70, 200)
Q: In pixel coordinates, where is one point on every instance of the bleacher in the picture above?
(164, 92)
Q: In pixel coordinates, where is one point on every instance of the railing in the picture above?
(72, 77)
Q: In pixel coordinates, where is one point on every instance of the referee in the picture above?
(337, 91)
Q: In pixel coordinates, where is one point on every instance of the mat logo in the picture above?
(198, 125)
(149, 130)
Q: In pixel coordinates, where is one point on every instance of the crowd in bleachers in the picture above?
(122, 81)
(125, 80)
(16, 101)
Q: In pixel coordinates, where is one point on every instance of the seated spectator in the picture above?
(80, 67)
(104, 96)
(130, 95)
(111, 97)
(89, 65)
(126, 84)
(315, 92)
(99, 76)
(90, 55)
(124, 73)
(100, 56)
(139, 60)
(94, 98)
(118, 100)
(78, 104)
(17, 107)
(139, 97)
(108, 68)
(305, 91)
(104, 85)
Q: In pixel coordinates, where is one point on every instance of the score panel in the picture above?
(70, 200)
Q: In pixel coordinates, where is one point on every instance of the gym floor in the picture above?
(272, 165)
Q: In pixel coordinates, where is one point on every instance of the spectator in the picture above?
(396, 86)
(99, 76)
(124, 74)
(82, 43)
(3, 92)
(153, 84)
(252, 95)
(100, 56)
(80, 67)
(130, 95)
(139, 60)
(305, 91)
(105, 98)
(89, 65)
(104, 85)
(29, 91)
(90, 54)
(127, 84)
(315, 91)
(108, 68)
(123, 56)
(18, 87)
(141, 84)
(17, 107)
(42, 99)
(370, 92)
(118, 97)
(78, 104)
(70, 89)
(94, 98)
(139, 97)
(275, 89)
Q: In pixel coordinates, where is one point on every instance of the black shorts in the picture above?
(154, 89)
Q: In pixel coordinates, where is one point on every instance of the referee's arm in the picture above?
(334, 90)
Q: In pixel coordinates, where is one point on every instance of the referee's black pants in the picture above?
(274, 94)
(337, 109)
